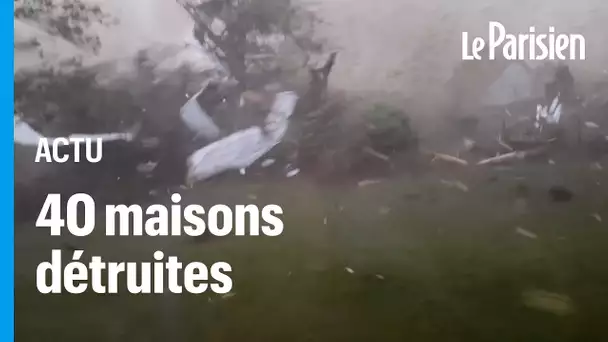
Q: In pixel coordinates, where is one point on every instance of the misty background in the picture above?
(408, 47)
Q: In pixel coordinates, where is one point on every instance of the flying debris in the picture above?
(242, 148)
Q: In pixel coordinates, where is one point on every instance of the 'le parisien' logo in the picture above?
(528, 46)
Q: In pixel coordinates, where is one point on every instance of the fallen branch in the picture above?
(449, 159)
(376, 154)
(512, 156)
(516, 155)
(504, 145)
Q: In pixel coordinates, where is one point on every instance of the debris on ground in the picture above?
(349, 270)
(292, 173)
(502, 158)
(597, 217)
(469, 144)
(228, 295)
(512, 156)
(370, 151)
(557, 304)
(536, 126)
(368, 182)
(591, 124)
(267, 162)
(449, 159)
(525, 233)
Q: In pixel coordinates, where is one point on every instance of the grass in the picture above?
(429, 264)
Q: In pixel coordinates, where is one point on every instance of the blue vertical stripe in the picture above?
(7, 257)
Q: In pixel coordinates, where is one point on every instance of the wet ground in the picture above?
(408, 258)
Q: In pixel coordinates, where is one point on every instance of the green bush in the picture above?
(389, 129)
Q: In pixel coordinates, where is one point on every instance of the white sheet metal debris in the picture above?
(25, 135)
(292, 173)
(550, 114)
(197, 120)
(591, 124)
(241, 149)
(267, 162)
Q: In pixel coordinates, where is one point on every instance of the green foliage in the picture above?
(69, 19)
(60, 103)
(389, 129)
(246, 23)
